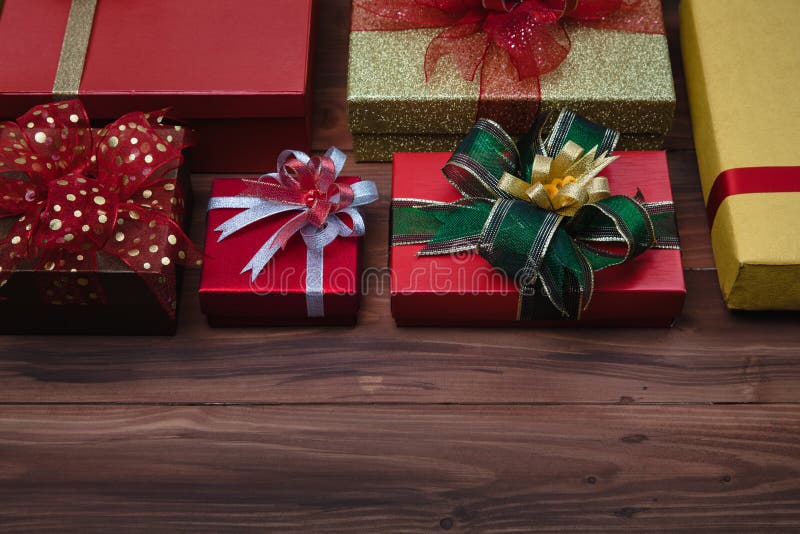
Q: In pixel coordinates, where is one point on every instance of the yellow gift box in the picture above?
(622, 79)
(742, 61)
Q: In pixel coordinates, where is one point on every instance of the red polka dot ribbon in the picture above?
(84, 197)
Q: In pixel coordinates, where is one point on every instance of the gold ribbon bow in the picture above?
(564, 183)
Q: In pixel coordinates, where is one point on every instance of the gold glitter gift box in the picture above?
(742, 60)
(619, 78)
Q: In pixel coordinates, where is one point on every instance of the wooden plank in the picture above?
(691, 213)
(330, 84)
(680, 138)
(711, 355)
(400, 469)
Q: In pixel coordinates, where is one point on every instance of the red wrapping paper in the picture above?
(458, 290)
(277, 297)
(213, 62)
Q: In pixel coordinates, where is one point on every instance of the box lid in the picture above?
(203, 58)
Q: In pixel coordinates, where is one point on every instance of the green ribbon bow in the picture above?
(551, 257)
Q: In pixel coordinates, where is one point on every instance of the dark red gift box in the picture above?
(460, 289)
(278, 295)
(129, 306)
(238, 72)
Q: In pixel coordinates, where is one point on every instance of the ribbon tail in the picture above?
(163, 287)
(261, 258)
(260, 209)
(465, 43)
(315, 305)
(272, 245)
(504, 97)
(316, 239)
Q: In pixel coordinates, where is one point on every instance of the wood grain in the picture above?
(400, 469)
(710, 355)
(376, 428)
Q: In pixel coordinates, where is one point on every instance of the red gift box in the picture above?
(461, 290)
(278, 295)
(209, 61)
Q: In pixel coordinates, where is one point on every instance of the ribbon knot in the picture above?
(307, 185)
(564, 183)
(77, 215)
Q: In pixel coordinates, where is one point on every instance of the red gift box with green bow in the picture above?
(505, 234)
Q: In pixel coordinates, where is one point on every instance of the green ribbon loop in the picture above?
(552, 258)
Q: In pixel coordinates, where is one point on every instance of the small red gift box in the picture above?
(277, 296)
(238, 72)
(462, 290)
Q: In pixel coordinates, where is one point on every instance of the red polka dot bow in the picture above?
(80, 194)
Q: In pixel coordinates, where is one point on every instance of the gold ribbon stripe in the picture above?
(73, 49)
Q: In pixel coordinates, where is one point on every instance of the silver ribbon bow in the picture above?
(316, 237)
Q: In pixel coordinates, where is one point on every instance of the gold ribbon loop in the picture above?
(73, 49)
(513, 185)
(565, 183)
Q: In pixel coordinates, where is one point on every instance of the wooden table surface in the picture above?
(376, 428)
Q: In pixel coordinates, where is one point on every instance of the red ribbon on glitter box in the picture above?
(75, 200)
(509, 44)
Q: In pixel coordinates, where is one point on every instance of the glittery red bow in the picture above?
(80, 195)
(310, 183)
(511, 43)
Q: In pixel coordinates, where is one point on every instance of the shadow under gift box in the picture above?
(228, 297)
(237, 72)
(647, 291)
(130, 308)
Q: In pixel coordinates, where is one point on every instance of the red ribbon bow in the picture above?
(311, 183)
(78, 194)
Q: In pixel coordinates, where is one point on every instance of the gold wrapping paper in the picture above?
(380, 147)
(742, 60)
(623, 80)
